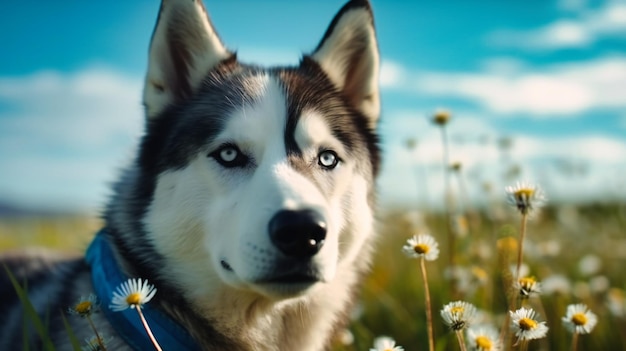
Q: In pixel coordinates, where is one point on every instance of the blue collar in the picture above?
(106, 276)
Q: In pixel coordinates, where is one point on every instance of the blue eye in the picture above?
(328, 159)
(229, 156)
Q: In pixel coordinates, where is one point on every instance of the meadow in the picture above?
(576, 253)
(529, 273)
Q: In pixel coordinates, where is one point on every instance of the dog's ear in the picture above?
(184, 48)
(348, 54)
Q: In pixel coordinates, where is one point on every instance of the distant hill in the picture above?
(8, 209)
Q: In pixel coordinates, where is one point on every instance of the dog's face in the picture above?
(260, 179)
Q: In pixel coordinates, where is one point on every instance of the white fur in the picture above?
(228, 212)
(205, 214)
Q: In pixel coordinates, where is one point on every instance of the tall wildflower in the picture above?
(96, 343)
(441, 118)
(84, 308)
(526, 197)
(526, 327)
(425, 248)
(385, 343)
(527, 286)
(579, 320)
(483, 338)
(458, 315)
(134, 293)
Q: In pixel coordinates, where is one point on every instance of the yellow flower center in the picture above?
(421, 249)
(507, 244)
(479, 273)
(133, 299)
(441, 117)
(483, 343)
(579, 319)
(524, 193)
(527, 286)
(527, 324)
(83, 307)
(457, 310)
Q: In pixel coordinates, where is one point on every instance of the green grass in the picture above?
(392, 298)
(71, 233)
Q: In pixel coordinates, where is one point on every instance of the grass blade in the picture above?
(70, 333)
(31, 313)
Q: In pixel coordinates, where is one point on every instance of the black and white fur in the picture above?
(250, 203)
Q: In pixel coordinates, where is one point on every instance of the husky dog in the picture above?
(249, 205)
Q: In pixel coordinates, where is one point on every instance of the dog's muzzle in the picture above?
(298, 234)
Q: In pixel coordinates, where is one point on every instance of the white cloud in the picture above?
(391, 74)
(570, 168)
(88, 108)
(589, 27)
(557, 90)
(64, 136)
(560, 34)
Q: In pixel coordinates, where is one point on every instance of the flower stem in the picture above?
(523, 345)
(93, 327)
(459, 337)
(521, 246)
(447, 199)
(429, 314)
(148, 330)
(575, 341)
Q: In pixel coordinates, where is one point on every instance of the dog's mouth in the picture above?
(289, 279)
(292, 278)
(288, 285)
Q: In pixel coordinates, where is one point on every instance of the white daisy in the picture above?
(525, 326)
(458, 314)
(579, 319)
(385, 343)
(556, 284)
(95, 343)
(132, 293)
(526, 197)
(422, 246)
(527, 286)
(483, 338)
(85, 306)
(441, 117)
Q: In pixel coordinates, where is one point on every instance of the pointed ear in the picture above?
(184, 48)
(348, 54)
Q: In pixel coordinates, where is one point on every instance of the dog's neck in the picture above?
(304, 323)
(106, 278)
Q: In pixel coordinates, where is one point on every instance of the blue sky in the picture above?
(548, 75)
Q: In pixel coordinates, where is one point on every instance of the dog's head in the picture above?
(258, 179)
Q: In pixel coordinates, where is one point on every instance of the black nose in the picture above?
(298, 234)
